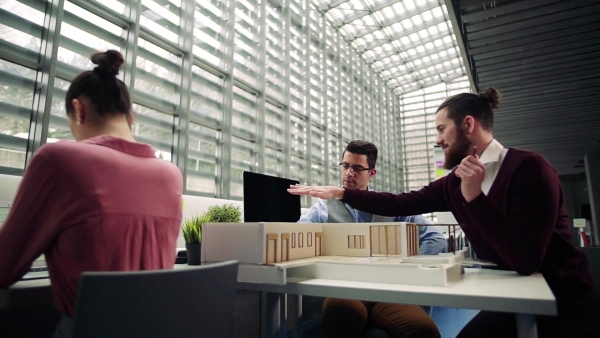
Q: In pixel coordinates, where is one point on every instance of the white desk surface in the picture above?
(483, 289)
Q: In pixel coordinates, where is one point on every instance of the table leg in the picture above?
(273, 315)
(295, 303)
(526, 326)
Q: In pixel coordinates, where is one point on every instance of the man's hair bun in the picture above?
(492, 96)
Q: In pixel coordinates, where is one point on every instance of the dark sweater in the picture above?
(522, 224)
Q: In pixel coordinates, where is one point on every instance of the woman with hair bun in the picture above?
(102, 203)
(509, 203)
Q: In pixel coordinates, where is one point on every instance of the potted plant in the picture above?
(192, 227)
(224, 213)
(192, 234)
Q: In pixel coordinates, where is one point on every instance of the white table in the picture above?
(484, 289)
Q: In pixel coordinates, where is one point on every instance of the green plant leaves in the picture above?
(224, 213)
(192, 227)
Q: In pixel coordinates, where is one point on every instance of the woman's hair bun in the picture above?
(108, 62)
(492, 97)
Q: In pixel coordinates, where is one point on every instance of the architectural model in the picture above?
(327, 250)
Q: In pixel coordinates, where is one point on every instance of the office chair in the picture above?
(188, 302)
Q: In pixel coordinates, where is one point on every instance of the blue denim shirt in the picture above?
(431, 239)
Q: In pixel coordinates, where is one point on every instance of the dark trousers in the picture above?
(346, 318)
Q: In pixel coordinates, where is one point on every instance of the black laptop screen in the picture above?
(266, 199)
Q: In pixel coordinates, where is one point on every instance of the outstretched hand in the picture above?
(324, 192)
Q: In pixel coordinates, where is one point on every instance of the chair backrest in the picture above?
(184, 302)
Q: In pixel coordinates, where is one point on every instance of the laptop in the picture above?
(4, 208)
(266, 199)
(38, 268)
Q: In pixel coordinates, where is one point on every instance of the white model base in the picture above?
(437, 270)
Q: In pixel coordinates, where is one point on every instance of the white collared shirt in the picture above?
(491, 158)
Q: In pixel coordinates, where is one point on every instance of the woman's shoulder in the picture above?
(58, 147)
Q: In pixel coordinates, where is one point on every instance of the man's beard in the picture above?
(457, 151)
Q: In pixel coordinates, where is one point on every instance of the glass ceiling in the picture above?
(409, 43)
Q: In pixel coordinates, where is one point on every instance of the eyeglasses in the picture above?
(355, 168)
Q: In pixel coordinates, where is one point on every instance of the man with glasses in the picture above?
(352, 318)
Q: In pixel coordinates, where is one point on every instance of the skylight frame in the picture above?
(409, 43)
